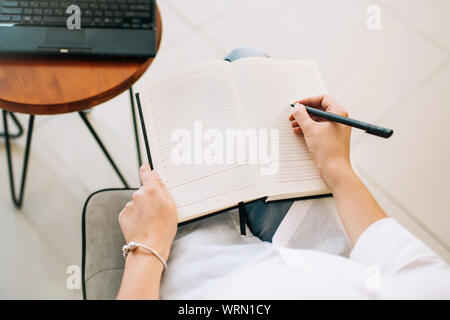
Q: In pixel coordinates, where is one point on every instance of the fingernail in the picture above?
(144, 167)
(297, 106)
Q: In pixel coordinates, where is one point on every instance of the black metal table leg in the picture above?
(136, 135)
(100, 143)
(18, 125)
(17, 200)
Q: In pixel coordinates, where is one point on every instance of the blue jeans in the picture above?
(244, 52)
(263, 218)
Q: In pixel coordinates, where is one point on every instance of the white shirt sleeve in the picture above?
(389, 246)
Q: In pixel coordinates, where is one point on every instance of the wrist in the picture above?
(336, 171)
(160, 246)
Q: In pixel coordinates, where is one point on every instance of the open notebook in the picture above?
(194, 114)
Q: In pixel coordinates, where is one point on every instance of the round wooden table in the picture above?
(60, 84)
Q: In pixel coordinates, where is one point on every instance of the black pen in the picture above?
(144, 131)
(369, 128)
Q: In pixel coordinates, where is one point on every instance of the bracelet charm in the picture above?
(132, 246)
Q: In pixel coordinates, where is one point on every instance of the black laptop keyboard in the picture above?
(129, 14)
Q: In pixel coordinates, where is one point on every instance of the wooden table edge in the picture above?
(89, 102)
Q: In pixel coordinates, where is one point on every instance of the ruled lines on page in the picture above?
(205, 95)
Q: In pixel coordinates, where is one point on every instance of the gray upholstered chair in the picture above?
(102, 261)
(102, 242)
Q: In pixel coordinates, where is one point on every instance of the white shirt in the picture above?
(211, 260)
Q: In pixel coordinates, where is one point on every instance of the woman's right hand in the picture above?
(328, 142)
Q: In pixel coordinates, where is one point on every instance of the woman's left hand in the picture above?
(151, 217)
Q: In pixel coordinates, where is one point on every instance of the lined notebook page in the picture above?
(267, 87)
(207, 94)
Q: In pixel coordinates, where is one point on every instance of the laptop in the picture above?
(124, 28)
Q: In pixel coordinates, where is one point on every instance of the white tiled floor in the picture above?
(413, 166)
(397, 76)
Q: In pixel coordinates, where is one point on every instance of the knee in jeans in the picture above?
(244, 52)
